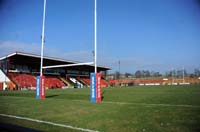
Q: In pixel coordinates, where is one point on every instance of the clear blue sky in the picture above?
(143, 34)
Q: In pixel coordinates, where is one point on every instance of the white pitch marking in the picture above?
(47, 122)
(146, 104)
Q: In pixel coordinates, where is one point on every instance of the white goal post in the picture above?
(68, 65)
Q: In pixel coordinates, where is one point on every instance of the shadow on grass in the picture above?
(5, 127)
(51, 96)
(73, 96)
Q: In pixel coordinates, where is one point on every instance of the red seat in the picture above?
(53, 82)
(23, 80)
(86, 80)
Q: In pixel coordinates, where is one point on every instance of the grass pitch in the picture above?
(138, 108)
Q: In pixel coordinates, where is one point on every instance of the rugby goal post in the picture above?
(95, 84)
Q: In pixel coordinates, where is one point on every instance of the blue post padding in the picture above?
(38, 87)
(93, 87)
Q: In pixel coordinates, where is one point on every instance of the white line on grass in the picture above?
(49, 123)
(146, 104)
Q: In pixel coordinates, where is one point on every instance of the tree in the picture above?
(138, 74)
(146, 73)
(127, 74)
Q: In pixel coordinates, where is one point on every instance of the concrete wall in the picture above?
(3, 79)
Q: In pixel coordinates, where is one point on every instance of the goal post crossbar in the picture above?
(68, 65)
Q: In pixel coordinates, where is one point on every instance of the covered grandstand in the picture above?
(18, 71)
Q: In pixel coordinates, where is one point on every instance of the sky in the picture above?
(155, 35)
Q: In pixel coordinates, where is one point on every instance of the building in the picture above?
(18, 71)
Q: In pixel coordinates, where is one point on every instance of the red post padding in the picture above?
(98, 88)
(42, 88)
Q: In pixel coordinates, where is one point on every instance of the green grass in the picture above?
(139, 108)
